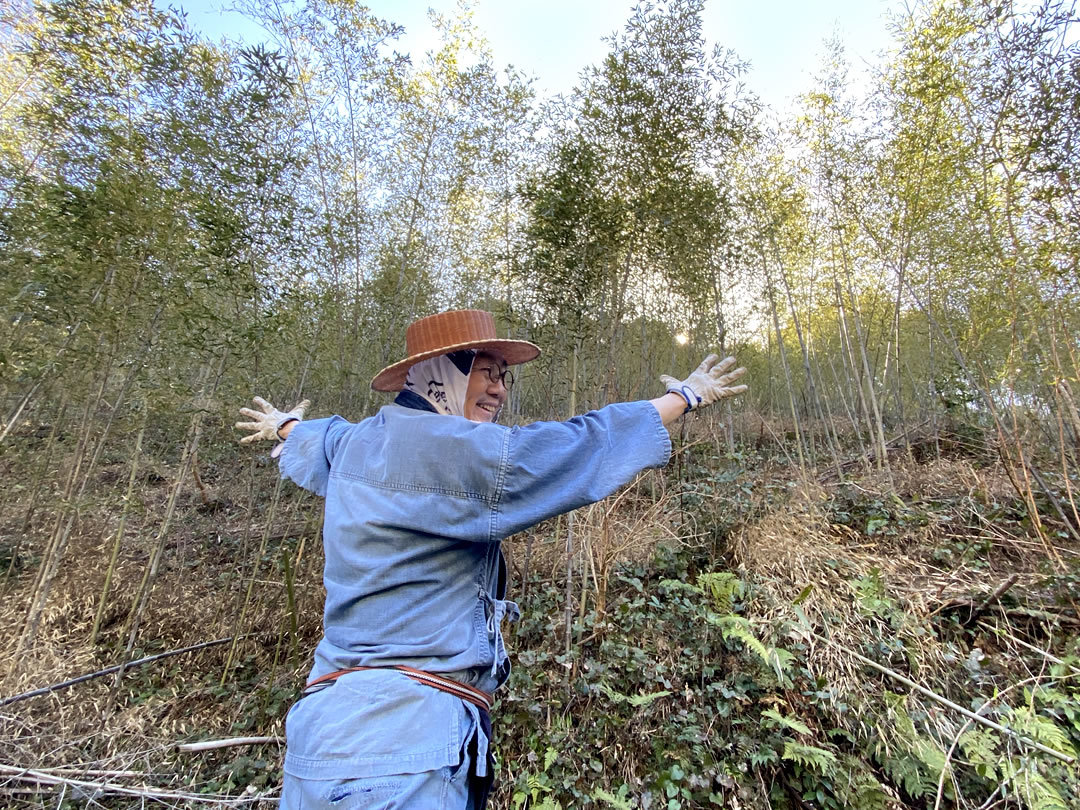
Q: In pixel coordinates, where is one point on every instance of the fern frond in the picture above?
(860, 790)
(930, 755)
(810, 756)
(722, 585)
(638, 701)
(898, 708)
(980, 748)
(613, 696)
(786, 722)
(1032, 787)
(908, 773)
(763, 756)
(549, 758)
(679, 585)
(619, 802)
(1041, 729)
(737, 627)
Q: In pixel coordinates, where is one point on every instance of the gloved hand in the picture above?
(267, 424)
(709, 382)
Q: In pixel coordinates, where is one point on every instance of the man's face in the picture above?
(483, 398)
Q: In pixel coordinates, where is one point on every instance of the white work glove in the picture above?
(710, 381)
(267, 423)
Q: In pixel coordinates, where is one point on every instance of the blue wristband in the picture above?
(686, 392)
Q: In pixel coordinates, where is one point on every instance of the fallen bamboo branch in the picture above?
(847, 464)
(1051, 658)
(45, 778)
(963, 730)
(1044, 615)
(75, 770)
(102, 672)
(210, 745)
(1050, 496)
(892, 673)
(993, 596)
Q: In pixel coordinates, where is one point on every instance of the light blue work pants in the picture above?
(454, 787)
(443, 789)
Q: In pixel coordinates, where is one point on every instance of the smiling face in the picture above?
(484, 398)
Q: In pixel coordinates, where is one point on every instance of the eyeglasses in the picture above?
(493, 373)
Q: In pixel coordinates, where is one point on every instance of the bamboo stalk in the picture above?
(57, 539)
(114, 555)
(568, 614)
(131, 626)
(787, 378)
(1051, 658)
(1054, 502)
(251, 580)
(877, 430)
(36, 488)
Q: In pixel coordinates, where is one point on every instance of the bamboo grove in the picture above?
(185, 223)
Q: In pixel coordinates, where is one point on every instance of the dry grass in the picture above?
(798, 547)
(128, 736)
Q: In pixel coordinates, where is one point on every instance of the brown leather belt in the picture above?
(475, 696)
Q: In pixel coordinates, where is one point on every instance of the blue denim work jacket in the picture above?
(416, 506)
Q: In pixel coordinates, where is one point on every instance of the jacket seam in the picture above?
(500, 482)
(398, 485)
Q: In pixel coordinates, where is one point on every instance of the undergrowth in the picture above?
(681, 698)
(712, 664)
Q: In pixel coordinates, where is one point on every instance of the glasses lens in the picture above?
(506, 377)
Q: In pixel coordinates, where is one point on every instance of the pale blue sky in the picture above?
(555, 39)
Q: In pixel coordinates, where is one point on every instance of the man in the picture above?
(418, 499)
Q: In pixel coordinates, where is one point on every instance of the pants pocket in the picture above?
(369, 793)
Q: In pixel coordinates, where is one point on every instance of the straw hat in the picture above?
(450, 332)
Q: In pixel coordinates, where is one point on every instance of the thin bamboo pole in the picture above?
(787, 380)
(142, 594)
(36, 488)
(242, 614)
(56, 687)
(114, 555)
(568, 616)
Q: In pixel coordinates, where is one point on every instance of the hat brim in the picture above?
(515, 352)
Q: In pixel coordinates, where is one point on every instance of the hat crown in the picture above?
(452, 331)
(449, 329)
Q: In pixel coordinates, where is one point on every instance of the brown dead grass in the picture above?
(797, 547)
(196, 597)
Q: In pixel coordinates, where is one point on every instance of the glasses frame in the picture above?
(505, 377)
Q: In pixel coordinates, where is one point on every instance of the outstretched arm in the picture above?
(553, 467)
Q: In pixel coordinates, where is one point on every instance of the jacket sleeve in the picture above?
(309, 452)
(553, 467)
